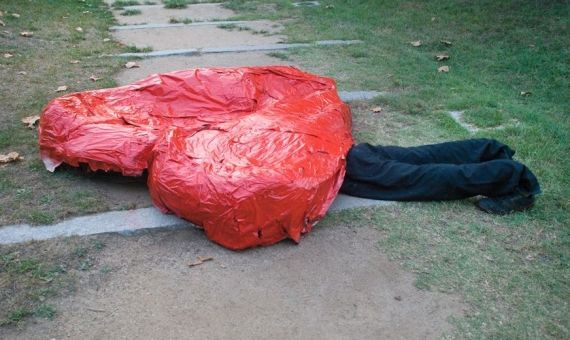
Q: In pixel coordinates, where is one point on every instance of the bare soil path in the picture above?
(336, 284)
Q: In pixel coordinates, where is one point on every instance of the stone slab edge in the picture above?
(237, 48)
(131, 221)
(201, 23)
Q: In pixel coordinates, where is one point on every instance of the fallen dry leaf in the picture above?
(61, 88)
(31, 121)
(441, 56)
(23, 73)
(1, 14)
(416, 43)
(131, 64)
(525, 93)
(200, 260)
(85, 12)
(446, 42)
(74, 62)
(15, 15)
(432, 18)
(443, 69)
(10, 157)
(2, 23)
(8, 55)
(27, 34)
(106, 40)
(376, 109)
(94, 78)
(79, 29)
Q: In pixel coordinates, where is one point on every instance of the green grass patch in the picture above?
(279, 55)
(175, 3)
(129, 12)
(119, 4)
(33, 274)
(180, 21)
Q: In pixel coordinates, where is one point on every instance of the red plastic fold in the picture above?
(253, 155)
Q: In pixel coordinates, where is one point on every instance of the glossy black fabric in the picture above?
(442, 171)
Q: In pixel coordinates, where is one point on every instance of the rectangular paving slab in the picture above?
(129, 221)
(192, 37)
(159, 14)
(174, 63)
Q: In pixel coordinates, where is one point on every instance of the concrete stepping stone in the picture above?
(130, 221)
(306, 4)
(194, 37)
(256, 26)
(174, 63)
(237, 48)
(159, 14)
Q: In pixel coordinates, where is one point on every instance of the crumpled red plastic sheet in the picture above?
(253, 155)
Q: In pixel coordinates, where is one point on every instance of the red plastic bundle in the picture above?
(253, 155)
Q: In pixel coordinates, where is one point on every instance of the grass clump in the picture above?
(130, 12)
(175, 4)
(185, 21)
(279, 55)
(119, 4)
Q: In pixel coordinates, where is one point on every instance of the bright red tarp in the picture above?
(253, 154)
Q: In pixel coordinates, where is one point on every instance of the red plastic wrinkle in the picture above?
(253, 155)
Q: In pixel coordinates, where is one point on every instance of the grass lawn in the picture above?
(513, 271)
(58, 54)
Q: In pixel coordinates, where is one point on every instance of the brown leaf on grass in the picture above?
(15, 15)
(106, 40)
(441, 56)
(10, 157)
(131, 64)
(2, 23)
(61, 88)
(525, 93)
(200, 260)
(94, 78)
(1, 14)
(86, 12)
(79, 29)
(31, 121)
(22, 73)
(416, 43)
(27, 34)
(446, 42)
(74, 62)
(376, 109)
(443, 69)
(8, 55)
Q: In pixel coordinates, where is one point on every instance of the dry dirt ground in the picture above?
(336, 284)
